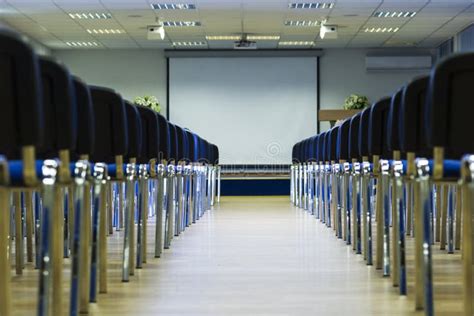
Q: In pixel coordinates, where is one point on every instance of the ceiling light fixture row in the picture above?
(296, 43)
(181, 23)
(184, 44)
(301, 23)
(90, 15)
(382, 29)
(82, 44)
(311, 5)
(173, 6)
(395, 14)
(105, 31)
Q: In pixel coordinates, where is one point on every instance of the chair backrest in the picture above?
(342, 149)
(302, 152)
(354, 137)
(393, 122)
(205, 151)
(191, 146)
(111, 134)
(164, 141)
(322, 147)
(59, 109)
(412, 131)
(294, 153)
(333, 143)
(21, 113)
(135, 131)
(215, 158)
(180, 142)
(449, 109)
(173, 143)
(378, 128)
(364, 133)
(85, 119)
(313, 150)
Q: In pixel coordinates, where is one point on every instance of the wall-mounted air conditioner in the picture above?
(398, 63)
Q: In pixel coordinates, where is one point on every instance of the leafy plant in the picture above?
(356, 102)
(148, 101)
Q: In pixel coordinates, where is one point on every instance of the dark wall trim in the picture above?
(188, 53)
(318, 95)
(168, 89)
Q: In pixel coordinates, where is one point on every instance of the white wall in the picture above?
(141, 72)
(342, 72)
(130, 72)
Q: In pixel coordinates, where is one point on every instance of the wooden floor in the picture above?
(256, 256)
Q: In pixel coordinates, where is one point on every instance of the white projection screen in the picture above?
(253, 108)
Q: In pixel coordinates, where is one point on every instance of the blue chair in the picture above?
(163, 157)
(60, 138)
(21, 127)
(377, 148)
(448, 114)
(359, 187)
(346, 189)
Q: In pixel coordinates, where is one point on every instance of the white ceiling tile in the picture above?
(47, 20)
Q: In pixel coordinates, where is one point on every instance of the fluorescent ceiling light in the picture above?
(82, 44)
(263, 37)
(311, 5)
(181, 23)
(173, 6)
(296, 43)
(301, 23)
(90, 15)
(223, 37)
(394, 14)
(105, 31)
(382, 29)
(197, 43)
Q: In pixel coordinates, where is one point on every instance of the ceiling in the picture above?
(48, 22)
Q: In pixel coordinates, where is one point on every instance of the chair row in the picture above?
(77, 162)
(405, 163)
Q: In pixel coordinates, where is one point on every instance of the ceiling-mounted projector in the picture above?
(243, 44)
(155, 32)
(328, 31)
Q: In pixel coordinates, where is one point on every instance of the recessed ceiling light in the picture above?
(394, 14)
(195, 43)
(134, 16)
(296, 43)
(223, 37)
(173, 6)
(181, 23)
(301, 23)
(381, 29)
(311, 5)
(90, 15)
(105, 31)
(82, 44)
(263, 37)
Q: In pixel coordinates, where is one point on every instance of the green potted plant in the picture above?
(356, 102)
(148, 101)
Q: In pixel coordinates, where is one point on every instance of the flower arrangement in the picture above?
(148, 101)
(356, 102)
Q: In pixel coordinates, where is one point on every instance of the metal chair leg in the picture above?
(424, 282)
(218, 184)
(78, 232)
(18, 232)
(467, 188)
(450, 220)
(159, 211)
(444, 215)
(5, 274)
(130, 174)
(458, 211)
(49, 251)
